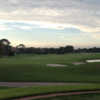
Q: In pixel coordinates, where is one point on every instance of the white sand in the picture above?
(78, 63)
(56, 65)
(92, 61)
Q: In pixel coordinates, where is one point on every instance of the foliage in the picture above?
(5, 48)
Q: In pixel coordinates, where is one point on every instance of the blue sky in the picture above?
(49, 23)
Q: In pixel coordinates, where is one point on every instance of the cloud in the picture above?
(28, 25)
(81, 14)
(4, 28)
(96, 37)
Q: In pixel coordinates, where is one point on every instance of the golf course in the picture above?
(35, 75)
(49, 49)
(34, 68)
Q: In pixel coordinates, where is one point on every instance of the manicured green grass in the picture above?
(36, 90)
(79, 97)
(32, 68)
(4, 87)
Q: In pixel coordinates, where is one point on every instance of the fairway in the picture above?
(33, 68)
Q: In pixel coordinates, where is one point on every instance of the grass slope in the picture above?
(36, 90)
(79, 97)
(33, 68)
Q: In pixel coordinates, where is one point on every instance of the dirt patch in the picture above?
(56, 65)
(79, 63)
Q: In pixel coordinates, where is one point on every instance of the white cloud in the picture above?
(4, 28)
(81, 14)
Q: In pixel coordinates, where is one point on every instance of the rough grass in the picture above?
(4, 87)
(36, 90)
(32, 68)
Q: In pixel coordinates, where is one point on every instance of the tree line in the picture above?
(7, 50)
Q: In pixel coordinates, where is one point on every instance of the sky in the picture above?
(51, 23)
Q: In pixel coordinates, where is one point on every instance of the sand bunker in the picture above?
(78, 63)
(92, 61)
(56, 65)
(87, 61)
